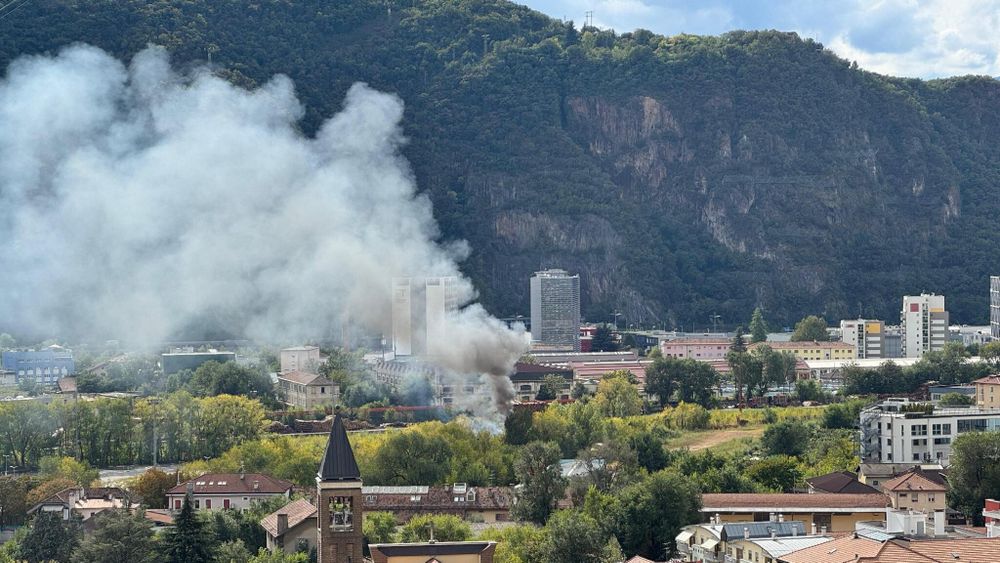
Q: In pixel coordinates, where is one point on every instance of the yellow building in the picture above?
(988, 392)
(769, 550)
(807, 351)
(827, 512)
(916, 490)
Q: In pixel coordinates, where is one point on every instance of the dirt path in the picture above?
(713, 438)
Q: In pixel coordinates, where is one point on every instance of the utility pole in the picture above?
(588, 19)
(715, 321)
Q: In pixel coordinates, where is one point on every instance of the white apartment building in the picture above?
(894, 431)
(925, 324)
(865, 335)
(995, 307)
(419, 310)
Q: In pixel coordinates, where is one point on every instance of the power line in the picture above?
(3, 16)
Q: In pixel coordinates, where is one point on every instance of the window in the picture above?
(919, 429)
(930, 497)
(916, 457)
(208, 504)
(225, 503)
(902, 495)
(197, 503)
(941, 441)
(177, 504)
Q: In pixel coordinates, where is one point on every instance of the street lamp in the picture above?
(614, 317)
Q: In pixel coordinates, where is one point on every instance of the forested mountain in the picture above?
(680, 176)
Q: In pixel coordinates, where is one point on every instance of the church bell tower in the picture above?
(338, 488)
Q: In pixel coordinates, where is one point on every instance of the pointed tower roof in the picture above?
(338, 461)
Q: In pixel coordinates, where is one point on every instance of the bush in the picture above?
(686, 416)
(786, 438)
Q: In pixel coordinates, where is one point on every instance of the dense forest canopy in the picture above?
(680, 176)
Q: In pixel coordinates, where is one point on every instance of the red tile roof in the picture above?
(818, 501)
(840, 550)
(233, 483)
(305, 378)
(968, 550)
(989, 380)
(913, 480)
(840, 482)
(297, 511)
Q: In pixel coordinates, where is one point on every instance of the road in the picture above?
(110, 477)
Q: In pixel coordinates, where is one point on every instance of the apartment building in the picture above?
(995, 307)
(555, 309)
(865, 335)
(813, 351)
(924, 320)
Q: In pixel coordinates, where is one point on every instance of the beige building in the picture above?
(917, 490)
(300, 358)
(812, 351)
(83, 502)
(832, 512)
(988, 392)
(291, 528)
(225, 491)
(306, 390)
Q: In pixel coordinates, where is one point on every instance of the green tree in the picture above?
(689, 416)
(79, 472)
(779, 472)
(747, 371)
(278, 556)
(808, 390)
(233, 551)
(660, 378)
(446, 527)
(120, 537)
(738, 344)
(758, 326)
(517, 427)
(789, 437)
(575, 537)
(974, 473)
(956, 400)
(14, 500)
(990, 353)
(380, 527)
(524, 543)
(653, 512)
(811, 328)
(697, 382)
(618, 397)
(542, 485)
(189, 541)
(26, 429)
(411, 458)
(49, 538)
(152, 487)
(603, 340)
(551, 388)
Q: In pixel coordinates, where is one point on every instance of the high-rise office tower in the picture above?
(925, 324)
(865, 335)
(419, 309)
(555, 309)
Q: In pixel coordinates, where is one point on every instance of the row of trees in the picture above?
(948, 366)
(113, 431)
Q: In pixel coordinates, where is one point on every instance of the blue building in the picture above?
(44, 366)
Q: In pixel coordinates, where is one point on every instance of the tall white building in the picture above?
(555, 309)
(925, 324)
(865, 335)
(419, 308)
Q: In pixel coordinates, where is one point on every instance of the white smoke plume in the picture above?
(136, 201)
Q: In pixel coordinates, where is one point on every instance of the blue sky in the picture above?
(925, 38)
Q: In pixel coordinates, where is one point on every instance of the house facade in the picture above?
(228, 491)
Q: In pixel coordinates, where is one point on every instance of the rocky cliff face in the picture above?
(680, 176)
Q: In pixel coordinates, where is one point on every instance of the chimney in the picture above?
(822, 530)
(814, 528)
(282, 524)
(781, 518)
(773, 518)
(774, 534)
(746, 533)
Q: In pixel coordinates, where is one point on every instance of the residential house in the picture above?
(300, 358)
(434, 552)
(292, 527)
(710, 542)
(306, 390)
(845, 549)
(223, 491)
(770, 549)
(988, 392)
(918, 490)
(829, 512)
(875, 474)
(840, 482)
(478, 504)
(83, 502)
